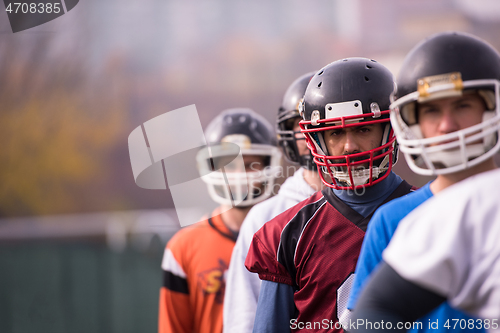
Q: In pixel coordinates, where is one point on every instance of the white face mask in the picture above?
(451, 152)
(237, 187)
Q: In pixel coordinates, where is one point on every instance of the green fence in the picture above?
(66, 287)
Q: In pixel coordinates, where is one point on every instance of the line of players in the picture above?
(305, 254)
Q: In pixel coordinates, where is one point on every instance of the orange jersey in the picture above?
(194, 267)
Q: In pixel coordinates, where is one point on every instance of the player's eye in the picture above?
(336, 132)
(429, 110)
(464, 105)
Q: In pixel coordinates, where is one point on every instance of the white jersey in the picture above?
(243, 287)
(451, 245)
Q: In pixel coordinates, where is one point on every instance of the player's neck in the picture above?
(313, 179)
(233, 217)
(444, 181)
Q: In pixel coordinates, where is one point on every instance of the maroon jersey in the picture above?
(314, 247)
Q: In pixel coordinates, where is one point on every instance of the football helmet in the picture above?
(349, 93)
(287, 113)
(447, 65)
(254, 136)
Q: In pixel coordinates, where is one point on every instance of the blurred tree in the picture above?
(56, 128)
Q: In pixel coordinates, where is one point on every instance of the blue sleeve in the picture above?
(376, 240)
(275, 308)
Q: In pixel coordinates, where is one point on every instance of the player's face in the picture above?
(352, 140)
(450, 114)
(252, 163)
(301, 142)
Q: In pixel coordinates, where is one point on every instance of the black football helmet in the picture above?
(348, 93)
(447, 65)
(254, 136)
(287, 113)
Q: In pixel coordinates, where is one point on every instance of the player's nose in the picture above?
(351, 145)
(447, 123)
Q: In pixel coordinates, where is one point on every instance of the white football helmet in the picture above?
(236, 130)
(447, 65)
